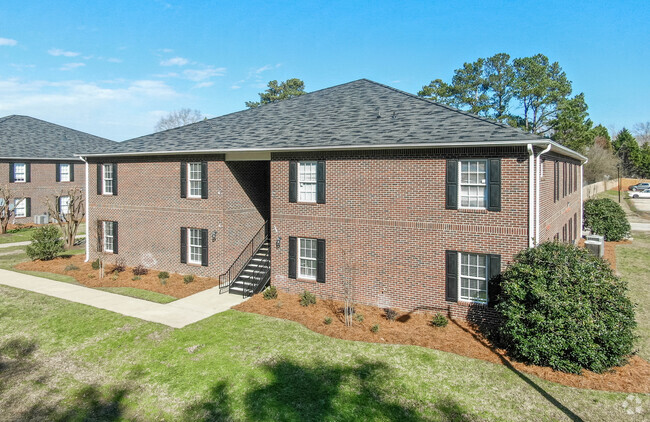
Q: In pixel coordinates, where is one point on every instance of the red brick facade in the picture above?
(43, 183)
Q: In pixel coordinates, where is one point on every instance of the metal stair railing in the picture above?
(226, 279)
(259, 277)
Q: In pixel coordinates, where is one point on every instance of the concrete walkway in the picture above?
(27, 242)
(640, 227)
(176, 314)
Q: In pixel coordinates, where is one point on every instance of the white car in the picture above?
(641, 194)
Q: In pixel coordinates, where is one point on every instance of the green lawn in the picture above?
(23, 235)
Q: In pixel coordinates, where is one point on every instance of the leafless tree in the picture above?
(602, 162)
(642, 132)
(99, 240)
(6, 212)
(177, 118)
(70, 217)
(348, 284)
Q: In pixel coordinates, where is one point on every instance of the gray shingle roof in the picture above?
(27, 137)
(360, 113)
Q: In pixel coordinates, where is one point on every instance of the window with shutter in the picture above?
(292, 257)
(473, 277)
(451, 185)
(451, 271)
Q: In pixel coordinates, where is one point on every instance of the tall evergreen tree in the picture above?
(572, 126)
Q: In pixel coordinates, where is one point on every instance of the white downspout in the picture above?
(537, 183)
(531, 198)
(87, 215)
(581, 190)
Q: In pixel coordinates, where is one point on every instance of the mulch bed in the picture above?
(457, 337)
(175, 286)
(610, 250)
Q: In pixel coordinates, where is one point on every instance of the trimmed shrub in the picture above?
(46, 243)
(95, 264)
(270, 293)
(163, 275)
(439, 320)
(375, 328)
(391, 314)
(328, 320)
(563, 307)
(140, 270)
(188, 278)
(606, 218)
(71, 267)
(307, 298)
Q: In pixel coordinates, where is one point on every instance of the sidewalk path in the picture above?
(640, 227)
(27, 242)
(176, 314)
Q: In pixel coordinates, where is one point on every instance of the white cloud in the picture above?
(198, 75)
(59, 52)
(71, 66)
(204, 84)
(8, 42)
(175, 61)
(114, 60)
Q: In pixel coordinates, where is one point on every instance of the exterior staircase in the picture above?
(256, 274)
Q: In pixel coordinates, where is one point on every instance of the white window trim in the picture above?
(460, 184)
(61, 198)
(22, 201)
(24, 172)
(104, 166)
(190, 180)
(105, 236)
(315, 182)
(460, 275)
(300, 257)
(67, 174)
(190, 245)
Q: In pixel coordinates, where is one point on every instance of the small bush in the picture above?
(119, 266)
(95, 264)
(358, 317)
(439, 320)
(136, 278)
(307, 299)
(188, 278)
(115, 276)
(564, 308)
(163, 275)
(140, 270)
(375, 328)
(163, 281)
(391, 314)
(71, 267)
(606, 218)
(91, 275)
(328, 320)
(270, 293)
(46, 243)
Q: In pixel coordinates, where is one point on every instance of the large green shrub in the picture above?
(46, 243)
(606, 218)
(563, 307)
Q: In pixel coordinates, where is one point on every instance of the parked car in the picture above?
(640, 186)
(642, 194)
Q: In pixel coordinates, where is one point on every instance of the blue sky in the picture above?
(113, 68)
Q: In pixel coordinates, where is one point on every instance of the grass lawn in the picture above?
(26, 234)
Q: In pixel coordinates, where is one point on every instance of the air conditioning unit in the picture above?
(41, 219)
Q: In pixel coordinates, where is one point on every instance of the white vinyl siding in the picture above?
(307, 181)
(20, 207)
(107, 185)
(64, 172)
(194, 180)
(307, 254)
(194, 250)
(108, 236)
(20, 172)
(472, 283)
(473, 181)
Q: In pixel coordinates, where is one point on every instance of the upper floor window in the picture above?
(107, 185)
(307, 181)
(20, 172)
(473, 182)
(473, 277)
(194, 179)
(20, 207)
(64, 172)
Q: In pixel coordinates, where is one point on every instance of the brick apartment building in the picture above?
(417, 204)
(37, 161)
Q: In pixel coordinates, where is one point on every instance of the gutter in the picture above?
(582, 204)
(537, 183)
(87, 200)
(531, 198)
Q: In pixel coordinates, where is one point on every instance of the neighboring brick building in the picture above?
(418, 204)
(37, 161)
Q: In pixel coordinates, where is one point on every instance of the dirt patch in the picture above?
(457, 337)
(175, 286)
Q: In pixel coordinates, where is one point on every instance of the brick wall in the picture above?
(150, 211)
(385, 224)
(43, 183)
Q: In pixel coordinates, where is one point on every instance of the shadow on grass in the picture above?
(323, 392)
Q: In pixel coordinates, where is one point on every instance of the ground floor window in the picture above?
(307, 255)
(473, 277)
(20, 209)
(109, 236)
(64, 205)
(194, 251)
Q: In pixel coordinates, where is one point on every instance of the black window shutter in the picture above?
(183, 245)
(451, 285)
(494, 279)
(564, 180)
(115, 242)
(100, 236)
(28, 172)
(58, 172)
(204, 180)
(494, 186)
(100, 176)
(204, 247)
(575, 226)
(292, 256)
(556, 181)
(451, 188)
(114, 178)
(11, 172)
(183, 179)
(320, 260)
(58, 204)
(293, 181)
(28, 207)
(320, 182)
(71, 172)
